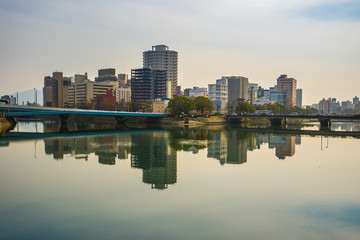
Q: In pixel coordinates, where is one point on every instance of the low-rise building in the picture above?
(218, 94)
(123, 93)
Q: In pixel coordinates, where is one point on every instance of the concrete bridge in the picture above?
(13, 111)
(281, 119)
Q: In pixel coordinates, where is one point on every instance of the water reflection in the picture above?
(152, 153)
(155, 151)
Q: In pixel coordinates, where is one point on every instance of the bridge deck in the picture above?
(300, 116)
(22, 111)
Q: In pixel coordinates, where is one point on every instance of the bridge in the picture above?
(13, 111)
(280, 119)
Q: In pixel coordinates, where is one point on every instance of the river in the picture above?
(217, 182)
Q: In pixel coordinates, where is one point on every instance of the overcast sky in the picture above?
(315, 41)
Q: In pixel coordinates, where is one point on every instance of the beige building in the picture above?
(123, 93)
(158, 107)
(84, 90)
(56, 90)
(288, 85)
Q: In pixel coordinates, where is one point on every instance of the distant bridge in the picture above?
(279, 119)
(12, 111)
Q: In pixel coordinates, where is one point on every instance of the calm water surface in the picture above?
(179, 183)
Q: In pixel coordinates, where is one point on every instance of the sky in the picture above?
(316, 42)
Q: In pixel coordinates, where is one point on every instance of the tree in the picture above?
(203, 103)
(180, 104)
(277, 108)
(245, 107)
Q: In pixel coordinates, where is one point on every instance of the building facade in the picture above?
(252, 91)
(299, 97)
(218, 94)
(106, 74)
(279, 97)
(288, 85)
(147, 85)
(84, 91)
(161, 58)
(123, 93)
(237, 91)
(56, 90)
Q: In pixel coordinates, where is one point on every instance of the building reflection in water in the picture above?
(231, 147)
(155, 152)
(106, 147)
(152, 153)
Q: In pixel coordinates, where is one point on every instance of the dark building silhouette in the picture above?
(147, 85)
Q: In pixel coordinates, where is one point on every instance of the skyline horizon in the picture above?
(313, 41)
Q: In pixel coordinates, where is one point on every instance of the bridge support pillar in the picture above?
(325, 123)
(277, 121)
(234, 120)
(63, 119)
(120, 120)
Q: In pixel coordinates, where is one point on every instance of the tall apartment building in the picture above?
(161, 58)
(56, 90)
(237, 91)
(218, 94)
(299, 97)
(147, 85)
(288, 85)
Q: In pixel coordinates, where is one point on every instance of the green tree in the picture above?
(180, 104)
(277, 108)
(203, 103)
(310, 110)
(245, 107)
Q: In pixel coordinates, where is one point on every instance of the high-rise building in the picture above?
(161, 58)
(237, 91)
(147, 85)
(56, 90)
(299, 97)
(288, 85)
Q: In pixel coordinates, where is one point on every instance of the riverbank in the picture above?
(4, 125)
(193, 121)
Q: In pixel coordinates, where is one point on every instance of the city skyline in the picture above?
(316, 42)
